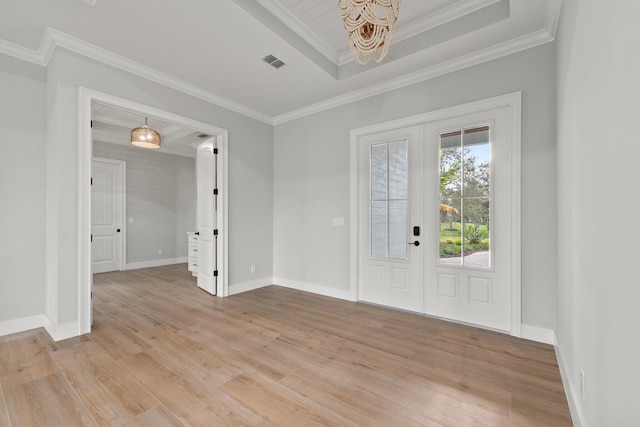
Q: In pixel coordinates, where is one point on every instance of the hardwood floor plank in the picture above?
(23, 359)
(351, 402)
(112, 396)
(163, 352)
(279, 405)
(4, 411)
(116, 339)
(158, 416)
(47, 401)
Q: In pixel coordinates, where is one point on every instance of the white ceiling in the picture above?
(113, 125)
(214, 48)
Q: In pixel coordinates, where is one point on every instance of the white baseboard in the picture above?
(14, 326)
(535, 333)
(573, 396)
(315, 289)
(156, 263)
(61, 332)
(238, 288)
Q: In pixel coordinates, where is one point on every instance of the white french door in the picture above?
(207, 216)
(390, 200)
(107, 202)
(467, 190)
(435, 218)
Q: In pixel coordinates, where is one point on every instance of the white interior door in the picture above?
(207, 216)
(107, 201)
(390, 205)
(453, 179)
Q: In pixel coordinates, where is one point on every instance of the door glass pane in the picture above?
(379, 172)
(465, 197)
(451, 164)
(450, 230)
(476, 162)
(398, 229)
(378, 236)
(476, 232)
(398, 170)
(388, 203)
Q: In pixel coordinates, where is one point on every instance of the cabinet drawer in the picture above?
(193, 238)
(193, 249)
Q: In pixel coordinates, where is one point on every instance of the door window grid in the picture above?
(465, 198)
(388, 200)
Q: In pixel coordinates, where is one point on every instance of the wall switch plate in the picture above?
(159, 251)
(337, 222)
(130, 220)
(253, 268)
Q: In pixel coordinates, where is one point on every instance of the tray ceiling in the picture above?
(213, 49)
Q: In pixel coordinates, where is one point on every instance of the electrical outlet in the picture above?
(583, 385)
(253, 268)
(159, 251)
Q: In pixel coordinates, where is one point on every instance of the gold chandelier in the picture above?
(145, 137)
(369, 24)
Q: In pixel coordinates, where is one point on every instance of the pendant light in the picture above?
(369, 24)
(145, 137)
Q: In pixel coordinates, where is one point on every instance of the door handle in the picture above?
(416, 243)
(197, 233)
(118, 230)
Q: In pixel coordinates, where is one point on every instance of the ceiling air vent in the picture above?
(203, 135)
(273, 61)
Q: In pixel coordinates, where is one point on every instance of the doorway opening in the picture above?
(88, 98)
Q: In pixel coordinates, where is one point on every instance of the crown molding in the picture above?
(21, 52)
(497, 51)
(553, 16)
(53, 38)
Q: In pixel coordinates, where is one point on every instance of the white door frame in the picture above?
(86, 97)
(123, 207)
(513, 102)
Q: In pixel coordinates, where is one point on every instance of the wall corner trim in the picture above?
(238, 288)
(536, 333)
(61, 332)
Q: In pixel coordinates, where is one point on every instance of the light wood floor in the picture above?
(164, 353)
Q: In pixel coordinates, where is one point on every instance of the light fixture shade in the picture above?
(369, 24)
(145, 137)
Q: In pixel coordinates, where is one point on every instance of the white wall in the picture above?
(311, 174)
(22, 174)
(598, 208)
(250, 172)
(161, 199)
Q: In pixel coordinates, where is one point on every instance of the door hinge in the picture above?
(215, 273)
(215, 151)
(92, 237)
(91, 123)
(215, 191)
(215, 232)
(91, 180)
